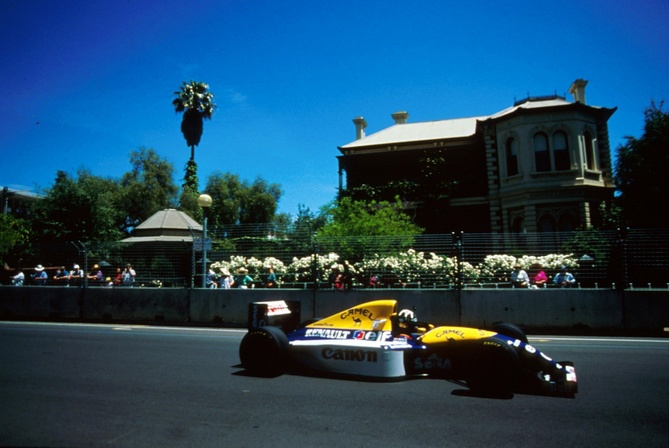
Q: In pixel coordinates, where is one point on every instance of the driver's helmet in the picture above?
(407, 316)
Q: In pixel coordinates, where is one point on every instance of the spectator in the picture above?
(128, 277)
(519, 278)
(226, 280)
(243, 280)
(95, 276)
(118, 278)
(76, 275)
(539, 277)
(270, 280)
(336, 278)
(374, 281)
(39, 277)
(211, 280)
(62, 277)
(564, 279)
(18, 279)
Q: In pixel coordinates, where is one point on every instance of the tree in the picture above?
(84, 208)
(14, 234)
(148, 188)
(641, 172)
(235, 201)
(197, 103)
(350, 224)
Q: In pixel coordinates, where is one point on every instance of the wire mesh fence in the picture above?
(301, 259)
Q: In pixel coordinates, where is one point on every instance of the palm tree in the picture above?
(197, 103)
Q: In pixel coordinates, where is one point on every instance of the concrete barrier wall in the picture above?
(550, 309)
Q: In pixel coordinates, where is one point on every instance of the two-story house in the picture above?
(542, 165)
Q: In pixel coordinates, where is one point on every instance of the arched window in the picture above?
(560, 151)
(547, 223)
(511, 157)
(518, 225)
(542, 159)
(590, 159)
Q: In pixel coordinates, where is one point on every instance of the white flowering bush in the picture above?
(406, 267)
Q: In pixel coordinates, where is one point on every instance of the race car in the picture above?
(375, 341)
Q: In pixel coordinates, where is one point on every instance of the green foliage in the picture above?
(235, 201)
(197, 103)
(588, 242)
(360, 218)
(641, 172)
(14, 232)
(349, 224)
(147, 188)
(84, 208)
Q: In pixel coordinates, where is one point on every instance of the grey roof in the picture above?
(166, 226)
(413, 132)
(454, 128)
(158, 239)
(169, 219)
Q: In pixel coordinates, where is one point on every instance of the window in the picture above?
(590, 163)
(560, 151)
(511, 157)
(547, 223)
(542, 159)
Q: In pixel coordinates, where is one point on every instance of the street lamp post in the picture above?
(204, 201)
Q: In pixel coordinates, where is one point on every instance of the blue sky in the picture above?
(87, 81)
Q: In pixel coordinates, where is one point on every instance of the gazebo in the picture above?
(161, 248)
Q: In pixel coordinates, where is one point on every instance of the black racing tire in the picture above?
(494, 368)
(264, 351)
(510, 330)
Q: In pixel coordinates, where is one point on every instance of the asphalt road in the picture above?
(133, 386)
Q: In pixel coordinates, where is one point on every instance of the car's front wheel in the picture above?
(264, 351)
(493, 368)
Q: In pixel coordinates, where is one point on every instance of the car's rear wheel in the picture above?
(264, 351)
(510, 330)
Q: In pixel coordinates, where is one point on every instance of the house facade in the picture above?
(542, 165)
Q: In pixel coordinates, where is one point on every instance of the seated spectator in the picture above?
(564, 279)
(226, 280)
(270, 280)
(39, 277)
(18, 279)
(62, 277)
(212, 279)
(519, 278)
(243, 280)
(539, 277)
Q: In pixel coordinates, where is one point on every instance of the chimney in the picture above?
(577, 89)
(360, 125)
(400, 117)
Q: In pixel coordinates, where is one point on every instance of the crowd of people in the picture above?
(242, 279)
(338, 279)
(538, 278)
(76, 277)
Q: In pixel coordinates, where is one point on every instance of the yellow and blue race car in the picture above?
(375, 341)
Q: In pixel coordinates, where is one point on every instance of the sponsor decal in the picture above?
(255, 320)
(450, 332)
(327, 333)
(432, 362)
(344, 354)
(356, 314)
(373, 335)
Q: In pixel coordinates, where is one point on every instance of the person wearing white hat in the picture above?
(226, 281)
(76, 274)
(39, 277)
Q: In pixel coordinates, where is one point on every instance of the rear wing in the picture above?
(278, 313)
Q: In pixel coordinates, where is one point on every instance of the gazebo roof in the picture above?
(167, 225)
